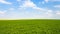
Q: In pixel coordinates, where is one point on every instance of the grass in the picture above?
(29, 26)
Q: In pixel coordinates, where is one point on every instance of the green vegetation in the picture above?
(29, 26)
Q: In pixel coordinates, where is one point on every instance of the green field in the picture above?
(29, 26)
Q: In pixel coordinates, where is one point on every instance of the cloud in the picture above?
(31, 11)
(11, 9)
(57, 6)
(28, 3)
(44, 12)
(43, 2)
(4, 2)
(51, 1)
(46, 0)
(49, 13)
(2, 12)
(54, 0)
(18, 0)
(57, 12)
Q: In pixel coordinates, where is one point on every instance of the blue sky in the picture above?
(21, 9)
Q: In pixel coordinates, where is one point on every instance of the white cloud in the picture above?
(57, 12)
(57, 6)
(39, 9)
(18, 0)
(11, 9)
(2, 12)
(28, 3)
(46, 0)
(49, 13)
(54, 0)
(36, 12)
(51, 1)
(5, 2)
(43, 2)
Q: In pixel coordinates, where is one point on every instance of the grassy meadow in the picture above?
(30, 26)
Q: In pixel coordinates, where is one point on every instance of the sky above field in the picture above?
(29, 9)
